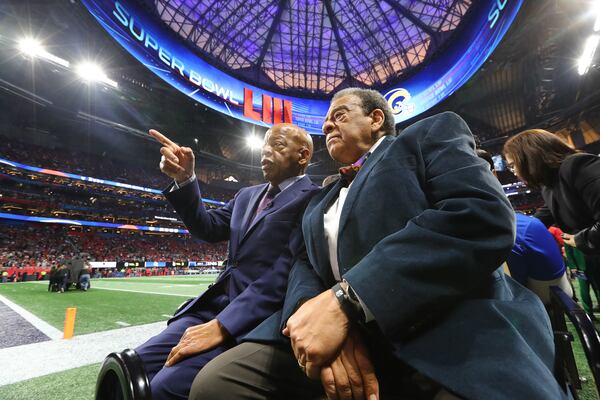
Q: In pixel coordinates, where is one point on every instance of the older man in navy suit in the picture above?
(262, 225)
(399, 295)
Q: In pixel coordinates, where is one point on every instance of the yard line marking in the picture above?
(38, 359)
(122, 323)
(40, 324)
(141, 291)
(95, 287)
(167, 315)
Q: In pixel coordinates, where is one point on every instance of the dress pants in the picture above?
(592, 271)
(255, 371)
(174, 382)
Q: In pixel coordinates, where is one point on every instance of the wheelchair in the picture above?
(122, 375)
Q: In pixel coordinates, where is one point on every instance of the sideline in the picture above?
(38, 323)
(37, 359)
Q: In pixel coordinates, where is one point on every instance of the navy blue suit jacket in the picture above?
(261, 251)
(423, 230)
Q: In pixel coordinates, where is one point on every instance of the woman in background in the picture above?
(569, 181)
(570, 185)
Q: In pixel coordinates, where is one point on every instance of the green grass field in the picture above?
(133, 301)
(74, 384)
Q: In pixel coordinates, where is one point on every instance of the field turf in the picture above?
(110, 303)
(74, 384)
(132, 301)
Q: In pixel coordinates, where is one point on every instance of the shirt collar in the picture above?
(290, 181)
(372, 149)
(377, 143)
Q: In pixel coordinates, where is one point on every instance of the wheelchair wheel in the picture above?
(122, 377)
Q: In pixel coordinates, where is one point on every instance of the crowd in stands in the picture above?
(40, 247)
(124, 247)
(100, 166)
(526, 203)
(33, 249)
(76, 162)
(46, 202)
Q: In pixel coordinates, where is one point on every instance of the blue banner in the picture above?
(48, 220)
(90, 179)
(169, 58)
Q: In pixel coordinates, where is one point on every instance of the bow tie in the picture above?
(349, 172)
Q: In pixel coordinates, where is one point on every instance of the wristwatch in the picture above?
(348, 300)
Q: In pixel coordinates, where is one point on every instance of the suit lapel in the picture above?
(252, 204)
(279, 201)
(359, 182)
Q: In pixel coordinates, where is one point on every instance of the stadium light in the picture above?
(91, 72)
(30, 46)
(586, 59)
(254, 142)
(34, 49)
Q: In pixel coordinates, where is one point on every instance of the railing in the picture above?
(566, 369)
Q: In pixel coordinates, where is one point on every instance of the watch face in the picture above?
(339, 293)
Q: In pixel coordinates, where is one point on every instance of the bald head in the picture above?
(286, 152)
(299, 135)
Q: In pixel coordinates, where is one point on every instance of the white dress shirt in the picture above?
(331, 225)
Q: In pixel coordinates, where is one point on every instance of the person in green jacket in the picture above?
(576, 263)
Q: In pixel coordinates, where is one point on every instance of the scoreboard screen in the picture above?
(155, 46)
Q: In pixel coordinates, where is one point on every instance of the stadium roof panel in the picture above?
(314, 46)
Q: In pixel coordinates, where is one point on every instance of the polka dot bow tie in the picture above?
(349, 172)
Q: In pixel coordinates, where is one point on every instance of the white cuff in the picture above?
(177, 186)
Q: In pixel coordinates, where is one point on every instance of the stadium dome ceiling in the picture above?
(312, 47)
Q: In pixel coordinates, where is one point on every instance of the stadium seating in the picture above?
(44, 246)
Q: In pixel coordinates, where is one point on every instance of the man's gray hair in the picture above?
(372, 100)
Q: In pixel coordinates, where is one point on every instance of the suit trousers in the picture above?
(174, 382)
(255, 371)
(592, 271)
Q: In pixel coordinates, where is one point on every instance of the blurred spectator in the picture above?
(576, 263)
(535, 260)
(62, 275)
(52, 283)
(84, 277)
(570, 184)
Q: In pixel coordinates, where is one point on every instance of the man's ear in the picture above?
(378, 120)
(304, 157)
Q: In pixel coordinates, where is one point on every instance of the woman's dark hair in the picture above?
(537, 155)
